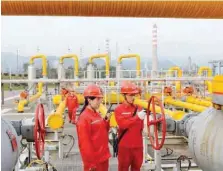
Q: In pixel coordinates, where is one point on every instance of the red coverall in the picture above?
(72, 106)
(130, 149)
(92, 132)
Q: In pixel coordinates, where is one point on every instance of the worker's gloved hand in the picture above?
(108, 116)
(141, 114)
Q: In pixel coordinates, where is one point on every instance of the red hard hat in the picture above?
(93, 90)
(129, 88)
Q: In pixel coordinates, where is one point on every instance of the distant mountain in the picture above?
(9, 60)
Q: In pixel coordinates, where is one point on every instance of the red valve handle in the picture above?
(39, 130)
(155, 122)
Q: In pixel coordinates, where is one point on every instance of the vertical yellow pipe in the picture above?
(76, 62)
(138, 62)
(44, 63)
(209, 71)
(107, 62)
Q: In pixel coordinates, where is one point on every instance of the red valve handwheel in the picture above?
(39, 131)
(155, 122)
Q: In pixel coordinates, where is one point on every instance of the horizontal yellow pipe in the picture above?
(107, 62)
(201, 102)
(76, 62)
(138, 62)
(176, 115)
(177, 103)
(44, 63)
(208, 98)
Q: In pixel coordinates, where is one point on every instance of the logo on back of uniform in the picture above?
(126, 113)
(96, 121)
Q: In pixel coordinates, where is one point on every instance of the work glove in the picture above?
(141, 114)
(108, 116)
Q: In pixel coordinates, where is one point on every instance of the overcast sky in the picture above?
(177, 38)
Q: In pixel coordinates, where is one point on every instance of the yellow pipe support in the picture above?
(55, 120)
(201, 102)
(107, 62)
(177, 103)
(138, 63)
(76, 62)
(44, 63)
(176, 115)
(22, 103)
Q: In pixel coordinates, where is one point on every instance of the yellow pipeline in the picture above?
(201, 102)
(208, 98)
(176, 115)
(176, 68)
(44, 63)
(138, 63)
(179, 74)
(113, 97)
(38, 94)
(22, 103)
(209, 72)
(218, 84)
(80, 98)
(55, 120)
(107, 62)
(193, 107)
(76, 63)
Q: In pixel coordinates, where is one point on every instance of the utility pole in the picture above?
(17, 61)
(69, 49)
(98, 49)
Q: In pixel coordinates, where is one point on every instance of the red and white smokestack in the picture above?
(154, 49)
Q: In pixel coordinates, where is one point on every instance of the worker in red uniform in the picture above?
(130, 147)
(72, 106)
(92, 132)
